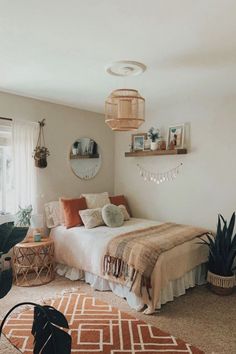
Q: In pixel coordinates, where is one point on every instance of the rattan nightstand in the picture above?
(33, 263)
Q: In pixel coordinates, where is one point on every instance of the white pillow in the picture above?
(96, 200)
(52, 213)
(124, 212)
(91, 217)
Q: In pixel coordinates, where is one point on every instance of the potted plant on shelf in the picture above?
(222, 252)
(154, 135)
(75, 148)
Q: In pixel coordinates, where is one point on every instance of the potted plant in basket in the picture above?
(154, 135)
(222, 252)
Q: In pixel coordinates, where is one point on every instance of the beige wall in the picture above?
(63, 126)
(205, 186)
(207, 182)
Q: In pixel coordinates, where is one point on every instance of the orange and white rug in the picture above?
(97, 327)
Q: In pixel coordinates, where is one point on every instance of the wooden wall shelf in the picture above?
(142, 153)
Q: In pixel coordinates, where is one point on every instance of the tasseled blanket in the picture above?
(132, 256)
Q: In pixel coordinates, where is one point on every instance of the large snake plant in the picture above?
(222, 247)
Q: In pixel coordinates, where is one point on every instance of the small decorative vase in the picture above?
(162, 145)
(171, 146)
(147, 144)
(154, 145)
(221, 285)
(74, 151)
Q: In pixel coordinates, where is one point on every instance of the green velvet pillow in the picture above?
(112, 215)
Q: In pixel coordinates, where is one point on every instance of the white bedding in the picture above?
(84, 249)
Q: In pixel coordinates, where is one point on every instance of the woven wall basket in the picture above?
(221, 285)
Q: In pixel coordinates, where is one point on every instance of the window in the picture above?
(6, 170)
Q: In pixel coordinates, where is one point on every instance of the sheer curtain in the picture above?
(24, 139)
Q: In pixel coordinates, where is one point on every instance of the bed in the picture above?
(79, 254)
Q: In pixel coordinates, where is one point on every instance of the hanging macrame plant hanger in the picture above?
(41, 152)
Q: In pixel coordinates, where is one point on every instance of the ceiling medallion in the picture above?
(125, 108)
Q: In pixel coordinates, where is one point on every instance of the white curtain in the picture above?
(24, 140)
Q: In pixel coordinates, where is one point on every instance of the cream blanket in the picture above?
(132, 256)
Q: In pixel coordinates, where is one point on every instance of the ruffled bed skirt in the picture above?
(175, 288)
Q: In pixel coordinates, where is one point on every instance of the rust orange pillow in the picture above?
(120, 200)
(71, 208)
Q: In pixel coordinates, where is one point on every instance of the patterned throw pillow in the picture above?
(96, 200)
(112, 215)
(124, 212)
(52, 213)
(91, 217)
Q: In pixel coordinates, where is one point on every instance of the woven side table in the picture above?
(33, 263)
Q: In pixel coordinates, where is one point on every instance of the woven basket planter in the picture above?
(221, 285)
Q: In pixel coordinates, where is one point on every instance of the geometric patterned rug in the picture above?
(97, 327)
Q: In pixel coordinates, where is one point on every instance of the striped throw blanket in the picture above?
(132, 256)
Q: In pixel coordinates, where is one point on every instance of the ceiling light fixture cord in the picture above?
(159, 177)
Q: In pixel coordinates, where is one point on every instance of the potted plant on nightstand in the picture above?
(23, 216)
(222, 252)
(154, 135)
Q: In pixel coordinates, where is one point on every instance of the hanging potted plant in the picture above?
(154, 135)
(41, 152)
(222, 252)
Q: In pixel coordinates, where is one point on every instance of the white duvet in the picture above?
(85, 248)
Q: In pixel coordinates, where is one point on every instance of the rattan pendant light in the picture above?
(125, 108)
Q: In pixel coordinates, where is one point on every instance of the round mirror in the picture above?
(85, 158)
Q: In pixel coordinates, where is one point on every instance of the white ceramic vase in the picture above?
(154, 145)
(147, 144)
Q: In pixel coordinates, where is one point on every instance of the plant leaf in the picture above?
(49, 338)
(231, 226)
(10, 239)
(5, 282)
(5, 231)
(56, 317)
(40, 330)
(62, 342)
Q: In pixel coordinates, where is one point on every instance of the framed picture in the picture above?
(138, 141)
(175, 136)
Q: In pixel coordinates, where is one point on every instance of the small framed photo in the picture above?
(138, 141)
(175, 136)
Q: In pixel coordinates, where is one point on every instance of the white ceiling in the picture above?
(57, 50)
